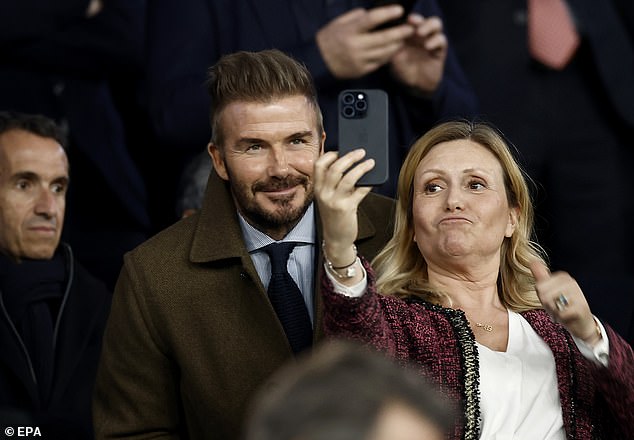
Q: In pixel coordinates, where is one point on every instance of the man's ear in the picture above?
(323, 143)
(218, 161)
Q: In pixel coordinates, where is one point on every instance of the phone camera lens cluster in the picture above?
(354, 105)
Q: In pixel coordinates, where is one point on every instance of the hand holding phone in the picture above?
(363, 123)
(407, 5)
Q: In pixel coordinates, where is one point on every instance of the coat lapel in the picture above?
(218, 235)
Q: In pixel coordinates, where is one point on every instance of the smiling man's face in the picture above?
(268, 156)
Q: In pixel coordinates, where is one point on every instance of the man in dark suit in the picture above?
(193, 331)
(573, 125)
(52, 312)
(337, 40)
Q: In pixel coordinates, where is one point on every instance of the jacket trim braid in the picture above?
(572, 426)
(470, 366)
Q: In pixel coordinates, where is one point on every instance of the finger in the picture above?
(351, 15)
(359, 194)
(347, 160)
(375, 49)
(377, 16)
(376, 57)
(435, 43)
(429, 27)
(556, 291)
(390, 35)
(323, 163)
(539, 270)
(326, 159)
(415, 19)
(337, 169)
(356, 172)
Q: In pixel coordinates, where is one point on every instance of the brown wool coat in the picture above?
(192, 334)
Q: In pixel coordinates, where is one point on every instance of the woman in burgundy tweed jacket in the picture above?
(463, 292)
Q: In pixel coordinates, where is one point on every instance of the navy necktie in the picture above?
(287, 299)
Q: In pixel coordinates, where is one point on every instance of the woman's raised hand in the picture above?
(563, 299)
(338, 199)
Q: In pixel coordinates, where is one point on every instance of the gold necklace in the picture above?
(485, 327)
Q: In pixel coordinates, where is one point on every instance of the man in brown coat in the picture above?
(193, 334)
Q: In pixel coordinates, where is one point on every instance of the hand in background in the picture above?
(94, 7)
(420, 62)
(574, 312)
(351, 49)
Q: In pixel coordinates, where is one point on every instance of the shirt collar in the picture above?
(303, 232)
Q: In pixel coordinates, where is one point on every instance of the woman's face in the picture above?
(460, 208)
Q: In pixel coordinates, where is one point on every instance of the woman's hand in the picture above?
(338, 199)
(563, 299)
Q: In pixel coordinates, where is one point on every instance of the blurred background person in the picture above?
(52, 311)
(61, 59)
(193, 184)
(557, 77)
(462, 291)
(343, 391)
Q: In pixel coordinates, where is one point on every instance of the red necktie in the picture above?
(552, 37)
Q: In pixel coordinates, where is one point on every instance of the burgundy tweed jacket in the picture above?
(597, 402)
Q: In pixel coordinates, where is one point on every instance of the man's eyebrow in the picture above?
(61, 179)
(247, 140)
(27, 175)
(30, 175)
(301, 134)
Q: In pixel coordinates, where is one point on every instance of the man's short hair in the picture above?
(338, 393)
(257, 77)
(36, 124)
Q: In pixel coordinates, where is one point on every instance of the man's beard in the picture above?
(285, 217)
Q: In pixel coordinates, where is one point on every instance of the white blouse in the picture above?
(519, 398)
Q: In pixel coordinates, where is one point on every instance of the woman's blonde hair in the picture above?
(401, 268)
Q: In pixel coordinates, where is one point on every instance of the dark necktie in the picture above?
(287, 299)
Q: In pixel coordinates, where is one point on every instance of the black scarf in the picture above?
(32, 292)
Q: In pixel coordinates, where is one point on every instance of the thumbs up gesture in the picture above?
(563, 299)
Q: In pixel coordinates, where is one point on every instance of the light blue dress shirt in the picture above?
(301, 262)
